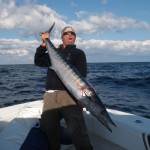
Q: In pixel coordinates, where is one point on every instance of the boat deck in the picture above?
(103, 144)
(132, 131)
(98, 143)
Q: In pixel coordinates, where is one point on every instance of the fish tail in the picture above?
(48, 31)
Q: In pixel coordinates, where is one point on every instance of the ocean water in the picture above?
(121, 86)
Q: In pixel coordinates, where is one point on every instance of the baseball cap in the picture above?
(68, 29)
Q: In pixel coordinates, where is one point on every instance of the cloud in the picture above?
(115, 47)
(114, 51)
(27, 20)
(107, 22)
(17, 51)
(104, 1)
(81, 14)
(73, 4)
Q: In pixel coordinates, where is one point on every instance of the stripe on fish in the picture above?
(77, 85)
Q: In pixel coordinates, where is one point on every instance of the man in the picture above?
(58, 103)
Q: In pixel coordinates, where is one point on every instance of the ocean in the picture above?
(121, 86)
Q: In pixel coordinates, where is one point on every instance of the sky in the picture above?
(107, 30)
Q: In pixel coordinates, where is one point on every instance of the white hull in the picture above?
(132, 132)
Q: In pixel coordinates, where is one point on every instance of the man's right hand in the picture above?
(44, 36)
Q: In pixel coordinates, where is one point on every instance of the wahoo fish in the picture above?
(77, 85)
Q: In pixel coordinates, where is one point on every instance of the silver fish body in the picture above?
(77, 85)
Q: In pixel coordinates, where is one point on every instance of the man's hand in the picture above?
(44, 36)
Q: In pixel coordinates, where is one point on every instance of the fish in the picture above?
(77, 85)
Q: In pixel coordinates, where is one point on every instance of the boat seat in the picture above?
(14, 134)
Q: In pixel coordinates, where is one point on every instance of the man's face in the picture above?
(68, 38)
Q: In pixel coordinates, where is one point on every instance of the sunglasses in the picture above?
(69, 32)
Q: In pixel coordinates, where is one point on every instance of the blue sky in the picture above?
(107, 30)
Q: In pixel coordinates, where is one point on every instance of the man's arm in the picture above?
(41, 57)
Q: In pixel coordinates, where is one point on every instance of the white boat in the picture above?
(132, 132)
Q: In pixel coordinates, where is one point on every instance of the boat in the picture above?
(132, 132)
